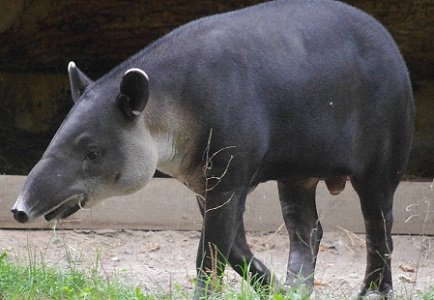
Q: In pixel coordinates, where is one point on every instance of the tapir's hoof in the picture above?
(299, 289)
(376, 295)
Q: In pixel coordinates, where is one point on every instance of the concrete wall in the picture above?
(167, 204)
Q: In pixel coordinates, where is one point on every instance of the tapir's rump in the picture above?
(294, 91)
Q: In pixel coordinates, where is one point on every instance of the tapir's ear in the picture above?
(78, 81)
(134, 92)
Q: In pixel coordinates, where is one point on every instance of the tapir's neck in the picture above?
(171, 127)
(168, 161)
(174, 128)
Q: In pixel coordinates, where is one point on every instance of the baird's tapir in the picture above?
(294, 91)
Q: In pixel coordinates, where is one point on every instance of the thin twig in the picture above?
(221, 205)
(428, 202)
(219, 178)
(208, 165)
(273, 234)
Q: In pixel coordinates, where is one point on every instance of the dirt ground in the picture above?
(158, 261)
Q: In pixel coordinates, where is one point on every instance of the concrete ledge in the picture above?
(167, 204)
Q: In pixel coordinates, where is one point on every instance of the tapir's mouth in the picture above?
(67, 207)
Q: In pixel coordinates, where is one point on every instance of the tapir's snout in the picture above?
(20, 216)
(59, 207)
(48, 193)
(20, 210)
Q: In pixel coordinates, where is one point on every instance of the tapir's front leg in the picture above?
(244, 262)
(222, 215)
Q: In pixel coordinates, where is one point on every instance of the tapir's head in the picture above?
(102, 149)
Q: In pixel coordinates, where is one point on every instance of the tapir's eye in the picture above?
(93, 155)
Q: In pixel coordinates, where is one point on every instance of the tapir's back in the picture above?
(310, 86)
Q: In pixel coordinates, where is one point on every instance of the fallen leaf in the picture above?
(326, 248)
(320, 284)
(151, 247)
(405, 279)
(407, 268)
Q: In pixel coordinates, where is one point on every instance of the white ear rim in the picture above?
(137, 70)
(71, 66)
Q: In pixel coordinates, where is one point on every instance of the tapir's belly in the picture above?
(315, 147)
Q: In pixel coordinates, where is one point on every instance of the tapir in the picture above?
(293, 91)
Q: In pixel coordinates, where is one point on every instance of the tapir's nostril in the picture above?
(20, 216)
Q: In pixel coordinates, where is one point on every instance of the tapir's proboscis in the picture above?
(294, 91)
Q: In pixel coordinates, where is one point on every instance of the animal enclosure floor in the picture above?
(157, 261)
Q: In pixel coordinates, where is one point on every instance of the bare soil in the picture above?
(158, 261)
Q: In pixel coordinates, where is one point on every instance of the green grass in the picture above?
(429, 295)
(37, 281)
(40, 282)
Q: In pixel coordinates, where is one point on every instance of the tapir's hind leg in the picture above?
(376, 197)
(243, 261)
(305, 232)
